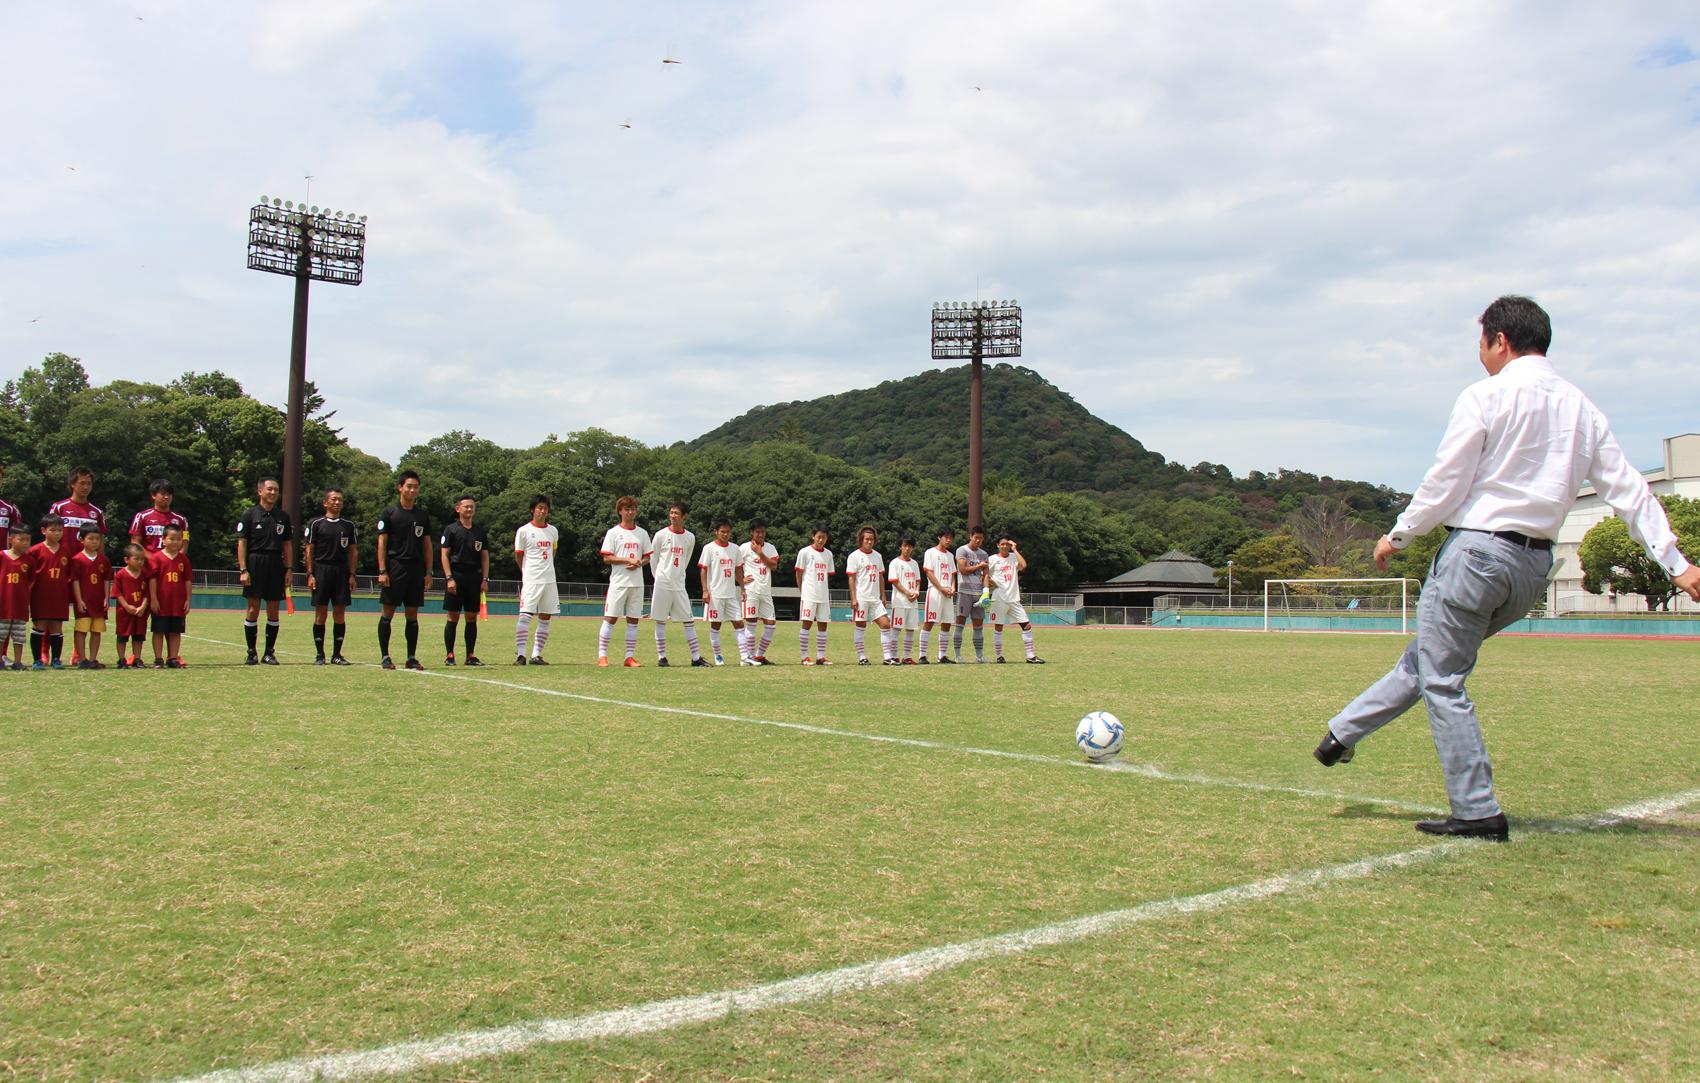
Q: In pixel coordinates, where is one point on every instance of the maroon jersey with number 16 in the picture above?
(171, 574)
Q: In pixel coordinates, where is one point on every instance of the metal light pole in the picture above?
(976, 330)
(1230, 587)
(305, 243)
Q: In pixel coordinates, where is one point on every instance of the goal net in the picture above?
(1339, 605)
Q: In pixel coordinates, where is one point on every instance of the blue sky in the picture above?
(1249, 234)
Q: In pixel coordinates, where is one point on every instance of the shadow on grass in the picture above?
(1360, 811)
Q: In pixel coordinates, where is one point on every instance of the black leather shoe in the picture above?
(1331, 751)
(1493, 828)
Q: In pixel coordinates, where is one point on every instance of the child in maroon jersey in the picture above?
(130, 589)
(91, 572)
(169, 593)
(16, 571)
(50, 592)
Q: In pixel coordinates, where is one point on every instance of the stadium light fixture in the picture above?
(975, 332)
(306, 245)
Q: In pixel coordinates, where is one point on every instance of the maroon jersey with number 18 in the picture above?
(15, 576)
(171, 574)
(50, 590)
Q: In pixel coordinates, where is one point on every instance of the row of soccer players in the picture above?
(949, 588)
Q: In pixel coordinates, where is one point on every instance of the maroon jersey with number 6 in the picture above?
(171, 574)
(92, 574)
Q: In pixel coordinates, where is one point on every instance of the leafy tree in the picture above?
(1611, 559)
(1275, 556)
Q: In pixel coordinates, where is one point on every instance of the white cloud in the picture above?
(1256, 236)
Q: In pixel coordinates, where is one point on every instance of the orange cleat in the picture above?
(633, 663)
(602, 662)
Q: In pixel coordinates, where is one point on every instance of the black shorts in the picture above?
(163, 626)
(468, 587)
(265, 577)
(330, 584)
(407, 586)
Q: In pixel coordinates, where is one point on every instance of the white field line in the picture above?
(662, 1015)
(1142, 770)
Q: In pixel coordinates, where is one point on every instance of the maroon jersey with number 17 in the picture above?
(171, 576)
(50, 591)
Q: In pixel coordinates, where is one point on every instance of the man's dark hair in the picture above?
(261, 484)
(945, 532)
(906, 540)
(819, 530)
(684, 508)
(79, 472)
(160, 485)
(1005, 538)
(332, 489)
(722, 522)
(758, 524)
(976, 530)
(467, 496)
(536, 500)
(1526, 326)
(401, 478)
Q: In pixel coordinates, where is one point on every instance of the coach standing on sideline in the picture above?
(1517, 449)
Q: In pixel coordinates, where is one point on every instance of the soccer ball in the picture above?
(1099, 736)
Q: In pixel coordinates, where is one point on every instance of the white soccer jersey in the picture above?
(671, 557)
(758, 577)
(722, 564)
(865, 571)
(943, 567)
(906, 574)
(626, 544)
(538, 544)
(1006, 579)
(817, 566)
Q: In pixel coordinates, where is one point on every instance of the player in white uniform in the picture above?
(625, 549)
(669, 562)
(722, 574)
(759, 560)
(1004, 570)
(866, 571)
(904, 575)
(815, 568)
(535, 544)
(939, 566)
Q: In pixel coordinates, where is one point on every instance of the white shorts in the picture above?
(815, 611)
(940, 610)
(624, 602)
(1007, 613)
(758, 607)
(670, 603)
(867, 611)
(722, 609)
(539, 598)
(905, 617)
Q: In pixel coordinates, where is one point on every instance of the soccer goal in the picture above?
(1339, 605)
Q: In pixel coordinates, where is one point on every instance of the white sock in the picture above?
(541, 638)
(767, 631)
(522, 633)
(714, 639)
(820, 641)
(803, 641)
(605, 634)
(944, 635)
(1027, 641)
(926, 634)
(861, 637)
(660, 639)
(631, 640)
(908, 642)
(691, 640)
(997, 642)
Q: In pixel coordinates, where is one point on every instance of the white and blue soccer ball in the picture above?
(1099, 736)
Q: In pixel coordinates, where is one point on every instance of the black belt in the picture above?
(1511, 536)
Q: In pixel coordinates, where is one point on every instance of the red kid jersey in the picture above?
(129, 588)
(150, 526)
(172, 575)
(15, 576)
(91, 575)
(50, 587)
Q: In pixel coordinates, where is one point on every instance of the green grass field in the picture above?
(228, 867)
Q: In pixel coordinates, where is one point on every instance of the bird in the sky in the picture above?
(668, 59)
(627, 123)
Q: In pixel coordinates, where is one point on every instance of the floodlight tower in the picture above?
(975, 330)
(289, 238)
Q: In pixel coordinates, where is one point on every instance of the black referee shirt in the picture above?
(405, 533)
(465, 546)
(331, 540)
(266, 531)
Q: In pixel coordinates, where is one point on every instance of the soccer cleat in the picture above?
(159, 663)
(173, 663)
(413, 663)
(97, 665)
(923, 661)
(864, 662)
(472, 660)
(339, 660)
(519, 660)
(448, 660)
(719, 661)
(946, 660)
(891, 662)
(700, 663)
(83, 664)
(808, 661)
(37, 665)
(748, 662)
(821, 661)
(601, 662)
(662, 663)
(252, 660)
(56, 664)
(632, 663)
(999, 660)
(386, 663)
(1035, 660)
(268, 659)
(319, 661)
(537, 661)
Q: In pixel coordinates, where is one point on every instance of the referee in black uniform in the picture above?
(465, 552)
(404, 565)
(265, 552)
(332, 550)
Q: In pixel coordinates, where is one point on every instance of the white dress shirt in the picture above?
(1518, 448)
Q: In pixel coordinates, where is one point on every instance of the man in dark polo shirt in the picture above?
(404, 565)
(464, 550)
(265, 551)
